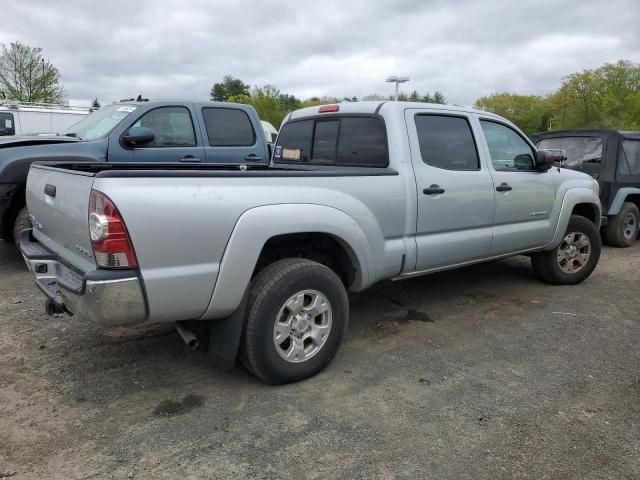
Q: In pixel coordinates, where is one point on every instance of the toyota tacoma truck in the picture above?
(133, 131)
(264, 256)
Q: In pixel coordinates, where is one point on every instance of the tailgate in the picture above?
(58, 202)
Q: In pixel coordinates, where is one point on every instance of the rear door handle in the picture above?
(190, 158)
(503, 187)
(252, 158)
(433, 190)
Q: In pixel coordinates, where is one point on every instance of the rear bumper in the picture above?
(105, 297)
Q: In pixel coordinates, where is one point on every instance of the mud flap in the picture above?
(224, 337)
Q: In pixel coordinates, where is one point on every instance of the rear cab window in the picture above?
(348, 140)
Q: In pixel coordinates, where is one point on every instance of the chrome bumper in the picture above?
(105, 297)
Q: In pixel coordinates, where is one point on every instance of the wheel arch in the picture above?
(576, 201)
(626, 194)
(260, 229)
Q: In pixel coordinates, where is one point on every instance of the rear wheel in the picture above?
(297, 316)
(21, 222)
(574, 259)
(622, 229)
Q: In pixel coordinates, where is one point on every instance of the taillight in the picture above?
(329, 108)
(110, 240)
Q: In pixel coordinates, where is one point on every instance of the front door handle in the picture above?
(433, 190)
(503, 187)
(190, 158)
(252, 158)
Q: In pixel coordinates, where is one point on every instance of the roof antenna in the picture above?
(139, 98)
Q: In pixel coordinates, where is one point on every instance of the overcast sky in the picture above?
(466, 49)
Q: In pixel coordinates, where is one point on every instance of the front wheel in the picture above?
(574, 259)
(297, 316)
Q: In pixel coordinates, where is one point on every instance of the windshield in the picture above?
(100, 123)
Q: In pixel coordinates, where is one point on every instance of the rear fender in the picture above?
(620, 198)
(259, 224)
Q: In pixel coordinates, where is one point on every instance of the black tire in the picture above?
(547, 266)
(269, 292)
(615, 230)
(21, 222)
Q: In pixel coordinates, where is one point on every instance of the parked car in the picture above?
(613, 158)
(134, 131)
(356, 193)
(28, 118)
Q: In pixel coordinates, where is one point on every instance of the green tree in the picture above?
(529, 112)
(230, 87)
(95, 104)
(313, 101)
(437, 97)
(270, 104)
(606, 97)
(27, 77)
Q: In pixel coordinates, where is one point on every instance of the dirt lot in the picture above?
(477, 373)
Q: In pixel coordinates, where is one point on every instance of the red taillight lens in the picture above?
(329, 108)
(110, 240)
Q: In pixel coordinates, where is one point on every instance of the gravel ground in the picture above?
(477, 373)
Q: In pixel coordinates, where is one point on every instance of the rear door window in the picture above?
(7, 126)
(582, 153)
(629, 163)
(447, 142)
(352, 141)
(228, 127)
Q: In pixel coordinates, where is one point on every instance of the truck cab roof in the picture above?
(372, 107)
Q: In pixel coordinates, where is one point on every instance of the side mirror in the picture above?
(545, 159)
(138, 136)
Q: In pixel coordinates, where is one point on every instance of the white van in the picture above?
(24, 118)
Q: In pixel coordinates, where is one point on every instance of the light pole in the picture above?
(397, 80)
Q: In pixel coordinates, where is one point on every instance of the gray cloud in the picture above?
(466, 49)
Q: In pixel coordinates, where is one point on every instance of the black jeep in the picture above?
(612, 158)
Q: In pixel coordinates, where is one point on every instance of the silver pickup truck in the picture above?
(264, 256)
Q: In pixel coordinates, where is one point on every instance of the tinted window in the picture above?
(172, 127)
(228, 127)
(508, 150)
(629, 164)
(325, 140)
(582, 153)
(294, 141)
(447, 142)
(361, 141)
(7, 127)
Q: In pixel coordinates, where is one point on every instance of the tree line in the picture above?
(604, 97)
(272, 105)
